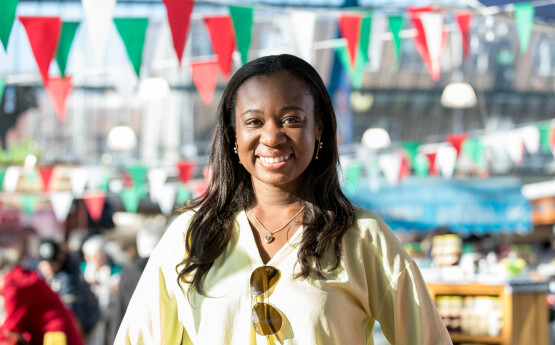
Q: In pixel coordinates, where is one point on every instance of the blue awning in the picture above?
(476, 206)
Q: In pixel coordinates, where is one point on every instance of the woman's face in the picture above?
(276, 129)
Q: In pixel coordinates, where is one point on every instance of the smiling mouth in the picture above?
(273, 160)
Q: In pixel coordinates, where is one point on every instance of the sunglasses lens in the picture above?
(266, 319)
(263, 279)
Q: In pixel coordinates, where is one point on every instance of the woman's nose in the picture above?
(272, 135)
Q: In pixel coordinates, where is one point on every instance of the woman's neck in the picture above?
(275, 197)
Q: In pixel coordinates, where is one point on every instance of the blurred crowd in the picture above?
(70, 292)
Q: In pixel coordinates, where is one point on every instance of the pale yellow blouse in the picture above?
(376, 280)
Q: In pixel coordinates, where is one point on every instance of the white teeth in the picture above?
(270, 160)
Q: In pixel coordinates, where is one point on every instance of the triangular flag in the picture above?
(61, 203)
(205, 78)
(411, 148)
(524, 16)
(96, 177)
(130, 198)
(514, 147)
(456, 140)
(446, 160)
(395, 25)
(463, 21)
(420, 39)
(2, 174)
(98, 15)
(421, 165)
(432, 158)
(404, 170)
(304, 25)
(179, 18)
(242, 23)
(58, 90)
(220, 30)
(11, 178)
(365, 31)
(132, 32)
(183, 194)
(156, 180)
(185, 170)
(475, 150)
(66, 39)
(46, 176)
(545, 131)
(390, 164)
(531, 138)
(349, 25)
(166, 196)
(44, 35)
(138, 173)
(7, 17)
(78, 180)
(433, 28)
(2, 87)
(356, 74)
(379, 28)
(29, 204)
(94, 201)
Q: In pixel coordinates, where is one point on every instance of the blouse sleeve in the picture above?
(152, 315)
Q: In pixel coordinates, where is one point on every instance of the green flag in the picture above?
(183, 194)
(29, 204)
(2, 174)
(138, 174)
(7, 17)
(242, 23)
(545, 132)
(395, 25)
(411, 147)
(421, 165)
(132, 32)
(524, 16)
(475, 149)
(365, 25)
(2, 87)
(355, 74)
(130, 198)
(66, 39)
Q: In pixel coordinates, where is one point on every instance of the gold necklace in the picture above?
(269, 238)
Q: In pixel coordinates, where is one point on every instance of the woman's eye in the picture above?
(252, 122)
(290, 120)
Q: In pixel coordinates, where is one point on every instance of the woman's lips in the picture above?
(274, 162)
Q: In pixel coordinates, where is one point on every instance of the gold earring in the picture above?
(235, 148)
(320, 144)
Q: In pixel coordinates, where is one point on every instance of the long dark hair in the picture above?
(328, 213)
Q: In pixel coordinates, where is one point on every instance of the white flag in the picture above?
(61, 203)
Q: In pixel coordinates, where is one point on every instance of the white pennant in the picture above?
(61, 203)
(304, 24)
(514, 147)
(78, 181)
(531, 137)
(391, 167)
(99, 15)
(446, 159)
(375, 48)
(166, 196)
(11, 178)
(433, 28)
(156, 180)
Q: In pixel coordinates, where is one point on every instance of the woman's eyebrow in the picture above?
(292, 107)
(248, 111)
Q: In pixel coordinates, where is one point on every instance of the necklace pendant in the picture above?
(269, 238)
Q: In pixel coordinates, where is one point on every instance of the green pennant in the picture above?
(545, 132)
(130, 198)
(2, 87)
(7, 17)
(395, 25)
(524, 16)
(411, 147)
(475, 149)
(66, 39)
(355, 74)
(183, 194)
(138, 174)
(365, 25)
(132, 32)
(29, 204)
(242, 23)
(421, 165)
(2, 175)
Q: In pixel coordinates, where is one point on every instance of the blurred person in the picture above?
(146, 241)
(32, 311)
(64, 277)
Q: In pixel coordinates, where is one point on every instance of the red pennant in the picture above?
(179, 17)
(432, 158)
(44, 35)
(186, 170)
(349, 25)
(220, 29)
(95, 203)
(420, 38)
(463, 20)
(58, 90)
(404, 170)
(205, 77)
(46, 175)
(456, 140)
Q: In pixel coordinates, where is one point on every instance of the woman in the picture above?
(274, 252)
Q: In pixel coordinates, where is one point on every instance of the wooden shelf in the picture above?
(467, 338)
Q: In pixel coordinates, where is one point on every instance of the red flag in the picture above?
(186, 170)
(404, 169)
(58, 90)
(44, 35)
(46, 175)
(220, 29)
(205, 77)
(456, 140)
(349, 25)
(420, 38)
(432, 158)
(95, 203)
(179, 17)
(463, 20)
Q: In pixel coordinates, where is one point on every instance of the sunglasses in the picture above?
(266, 319)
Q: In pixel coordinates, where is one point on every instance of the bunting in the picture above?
(46, 176)
(185, 170)
(132, 32)
(61, 204)
(179, 17)
(304, 25)
(349, 26)
(220, 30)
(7, 18)
(2, 87)
(94, 201)
(365, 32)
(98, 18)
(66, 40)
(205, 78)
(58, 89)
(242, 23)
(524, 16)
(396, 23)
(463, 21)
